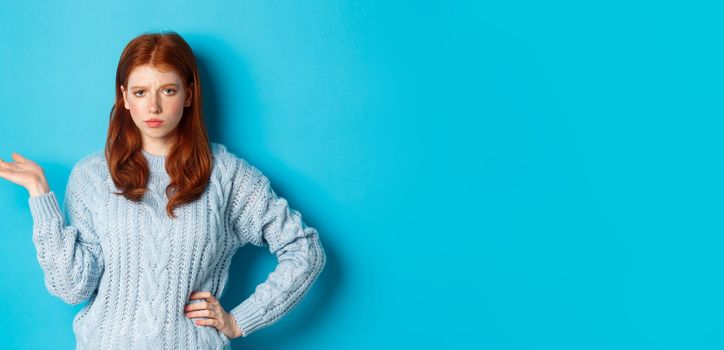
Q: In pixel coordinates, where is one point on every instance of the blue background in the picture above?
(498, 175)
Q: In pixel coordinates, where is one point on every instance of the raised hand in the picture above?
(26, 173)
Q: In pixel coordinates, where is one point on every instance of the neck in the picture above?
(159, 147)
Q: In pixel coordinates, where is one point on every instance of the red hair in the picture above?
(188, 162)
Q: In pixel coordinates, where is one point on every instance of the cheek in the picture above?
(174, 109)
(136, 111)
(135, 107)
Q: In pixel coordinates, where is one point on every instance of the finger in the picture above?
(9, 175)
(197, 306)
(18, 158)
(200, 295)
(9, 166)
(207, 322)
(7, 172)
(205, 295)
(201, 313)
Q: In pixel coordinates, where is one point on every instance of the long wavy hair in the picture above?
(188, 162)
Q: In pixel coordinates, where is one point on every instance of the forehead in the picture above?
(147, 75)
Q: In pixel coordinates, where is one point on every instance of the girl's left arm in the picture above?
(260, 217)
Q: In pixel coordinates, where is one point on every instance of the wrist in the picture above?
(237, 330)
(38, 188)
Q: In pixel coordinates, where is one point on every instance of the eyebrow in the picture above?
(169, 84)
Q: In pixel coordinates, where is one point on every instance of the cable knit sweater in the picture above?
(137, 267)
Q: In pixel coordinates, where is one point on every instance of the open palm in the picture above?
(23, 172)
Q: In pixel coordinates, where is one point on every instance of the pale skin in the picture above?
(153, 94)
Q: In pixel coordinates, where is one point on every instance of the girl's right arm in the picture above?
(69, 254)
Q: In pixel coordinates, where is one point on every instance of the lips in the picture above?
(153, 123)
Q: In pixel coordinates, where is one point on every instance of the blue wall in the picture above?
(499, 175)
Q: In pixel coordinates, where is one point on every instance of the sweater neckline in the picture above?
(156, 163)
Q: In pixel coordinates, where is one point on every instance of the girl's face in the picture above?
(156, 100)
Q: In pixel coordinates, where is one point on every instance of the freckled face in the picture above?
(156, 95)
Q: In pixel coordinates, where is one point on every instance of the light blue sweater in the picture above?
(137, 267)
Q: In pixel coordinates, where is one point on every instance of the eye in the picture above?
(137, 91)
(172, 91)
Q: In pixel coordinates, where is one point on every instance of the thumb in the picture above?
(18, 158)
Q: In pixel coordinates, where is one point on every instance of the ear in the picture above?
(125, 99)
(189, 95)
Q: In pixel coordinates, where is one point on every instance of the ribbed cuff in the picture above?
(44, 206)
(249, 316)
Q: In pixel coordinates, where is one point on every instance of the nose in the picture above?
(154, 105)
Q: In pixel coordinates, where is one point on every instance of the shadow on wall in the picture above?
(214, 58)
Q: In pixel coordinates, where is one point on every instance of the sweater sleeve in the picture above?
(69, 254)
(262, 218)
